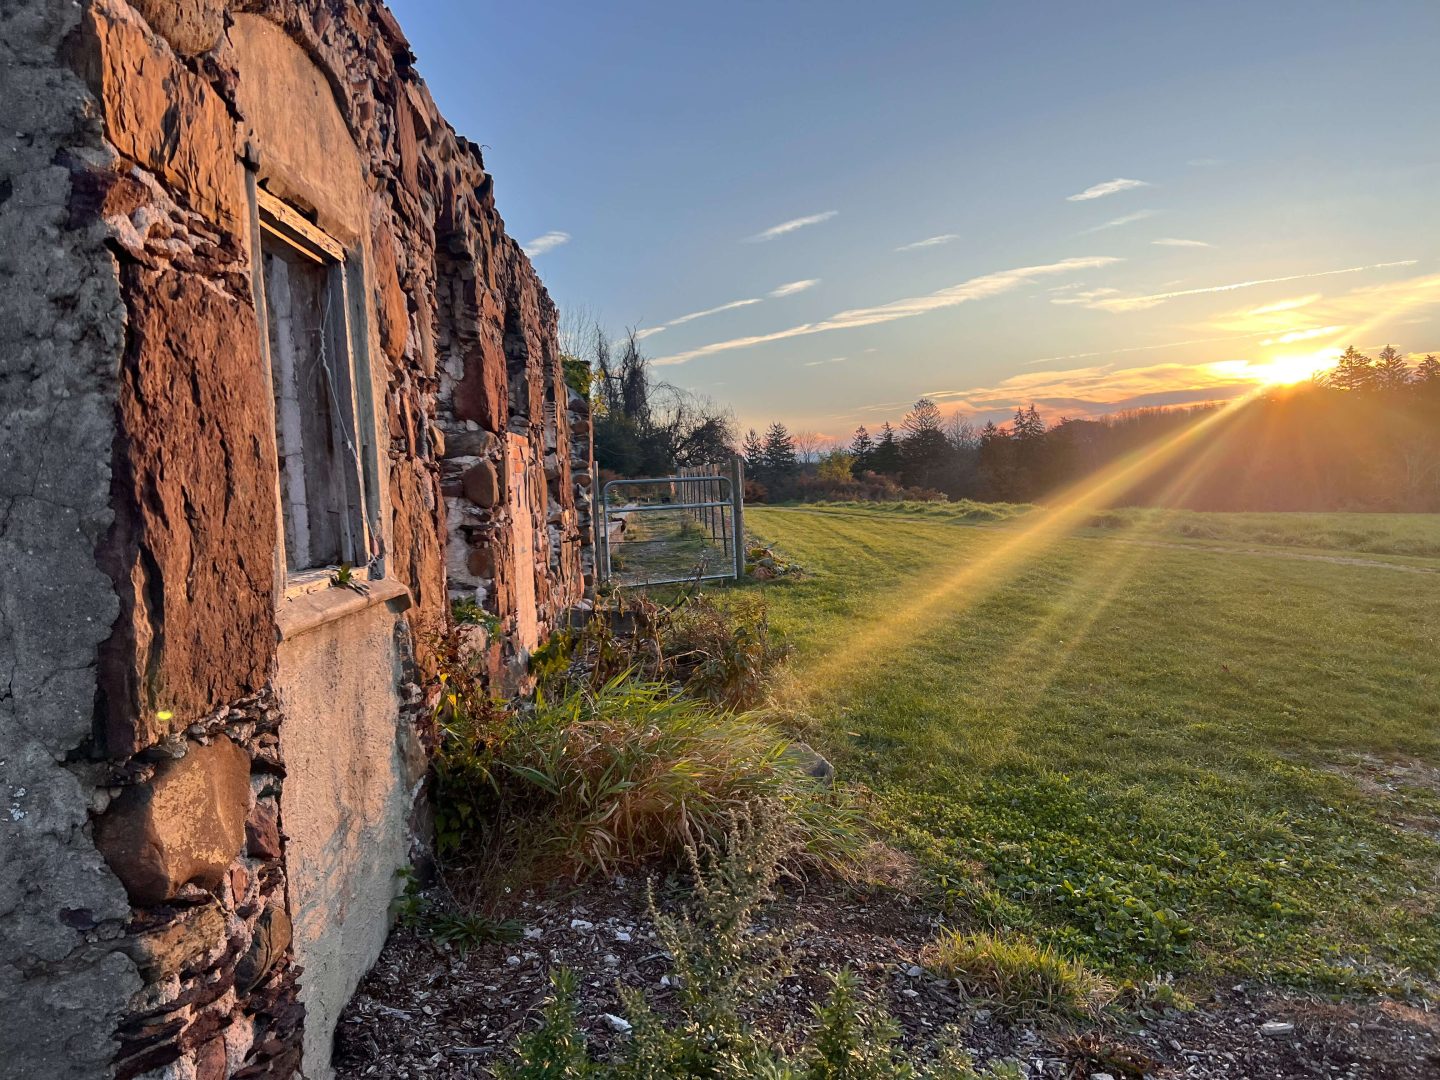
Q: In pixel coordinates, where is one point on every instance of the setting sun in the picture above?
(1284, 369)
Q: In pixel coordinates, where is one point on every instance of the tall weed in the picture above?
(725, 968)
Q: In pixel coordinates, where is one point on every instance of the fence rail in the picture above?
(670, 529)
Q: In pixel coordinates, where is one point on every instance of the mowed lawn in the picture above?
(1159, 751)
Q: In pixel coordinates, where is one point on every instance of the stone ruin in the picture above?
(276, 388)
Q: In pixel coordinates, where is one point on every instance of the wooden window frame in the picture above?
(273, 218)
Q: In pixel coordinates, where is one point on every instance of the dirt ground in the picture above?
(428, 1010)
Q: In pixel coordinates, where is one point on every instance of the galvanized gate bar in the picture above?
(705, 494)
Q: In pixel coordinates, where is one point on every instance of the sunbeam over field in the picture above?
(1205, 744)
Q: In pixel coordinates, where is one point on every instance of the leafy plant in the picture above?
(579, 375)
(1021, 976)
(724, 653)
(344, 578)
(1093, 1052)
(464, 930)
(556, 1049)
(466, 611)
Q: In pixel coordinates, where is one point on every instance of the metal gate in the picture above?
(671, 529)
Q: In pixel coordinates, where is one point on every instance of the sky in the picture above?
(817, 212)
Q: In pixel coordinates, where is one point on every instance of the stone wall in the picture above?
(210, 775)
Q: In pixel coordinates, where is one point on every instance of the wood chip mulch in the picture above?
(427, 1010)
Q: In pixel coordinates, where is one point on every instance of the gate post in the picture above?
(737, 513)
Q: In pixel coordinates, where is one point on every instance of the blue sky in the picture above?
(1295, 140)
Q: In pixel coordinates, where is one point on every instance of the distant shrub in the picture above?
(966, 511)
(1018, 974)
(579, 375)
(867, 487)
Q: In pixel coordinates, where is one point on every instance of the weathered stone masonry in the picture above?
(211, 760)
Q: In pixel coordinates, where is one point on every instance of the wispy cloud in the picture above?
(1341, 319)
(832, 360)
(712, 311)
(978, 288)
(1139, 348)
(1293, 304)
(1303, 335)
(1175, 241)
(1109, 187)
(1126, 219)
(1104, 386)
(790, 288)
(1082, 297)
(790, 226)
(929, 241)
(546, 242)
(1142, 303)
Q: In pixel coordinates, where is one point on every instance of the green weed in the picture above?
(1019, 975)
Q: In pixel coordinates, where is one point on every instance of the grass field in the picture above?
(1203, 744)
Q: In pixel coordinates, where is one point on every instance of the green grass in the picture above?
(1152, 757)
(1018, 975)
(1377, 534)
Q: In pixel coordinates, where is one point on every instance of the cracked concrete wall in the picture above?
(61, 333)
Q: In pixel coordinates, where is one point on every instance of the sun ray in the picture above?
(1011, 549)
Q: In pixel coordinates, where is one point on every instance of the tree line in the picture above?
(1363, 435)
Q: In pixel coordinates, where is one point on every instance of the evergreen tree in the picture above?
(924, 448)
(1427, 374)
(1027, 424)
(1391, 370)
(862, 448)
(753, 451)
(779, 453)
(886, 458)
(1353, 371)
(996, 462)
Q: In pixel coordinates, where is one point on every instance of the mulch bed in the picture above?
(427, 1010)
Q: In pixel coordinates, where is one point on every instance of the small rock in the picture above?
(913, 971)
(1276, 1028)
(617, 1024)
(534, 933)
(1101, 1076)
(512, 961)
(907, 992)
(611, 959)
(621, 935)
(813, 764)
(583, 925)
